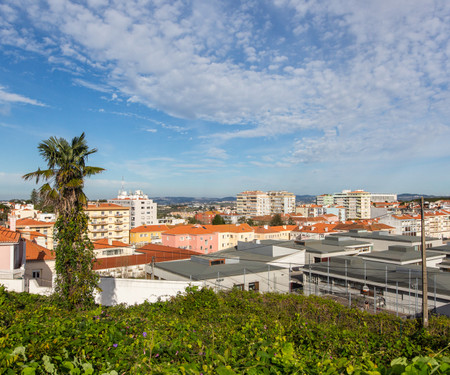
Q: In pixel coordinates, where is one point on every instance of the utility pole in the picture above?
(424, 269)
(153, 268)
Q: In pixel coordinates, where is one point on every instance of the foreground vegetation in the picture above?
(206, 333)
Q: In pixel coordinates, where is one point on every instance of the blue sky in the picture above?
(210, 98)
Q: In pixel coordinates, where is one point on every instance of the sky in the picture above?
(210, 98)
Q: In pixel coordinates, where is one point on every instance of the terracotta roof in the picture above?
(369, 227)
(104, 244)
(318, 228)
(150, 228)
(230, 228)
(104, 206)
(159, 252)
(32, 233)
(190, 229)
(8, 236)
(33, 223)
(37, 252)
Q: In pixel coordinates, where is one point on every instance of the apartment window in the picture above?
(36, 274)
(253, 286)
(210, 246)
(201, 238)
(103, 212)
(95, 234)
(238, 286)
(181, 238)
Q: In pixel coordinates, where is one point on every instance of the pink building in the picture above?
(197, 238)
(12, 254)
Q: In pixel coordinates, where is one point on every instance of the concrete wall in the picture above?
(136, 291)
(35, 288)
(13, 285)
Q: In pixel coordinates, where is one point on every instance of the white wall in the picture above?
(13, 285)
(135, 291)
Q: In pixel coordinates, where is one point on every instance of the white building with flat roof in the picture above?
(143, 211)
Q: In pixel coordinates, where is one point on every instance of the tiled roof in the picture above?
(369, 227)
(104, 206)
(318, 228)
(33, 223)
(37, 252)
(8, 236)
(150, 228)
(230, 228)
(189, 229)
(104, 244)
(159, 252)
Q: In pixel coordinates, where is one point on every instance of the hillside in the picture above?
(227, 333)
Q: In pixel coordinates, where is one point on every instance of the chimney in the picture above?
(266, 227)
(109, 241)
(12, 222)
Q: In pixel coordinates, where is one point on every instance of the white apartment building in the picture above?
(142, 210)
(259, 203)
(437, 224)
(383, 197)
(281, 202)
(253, 203)
(356, 203)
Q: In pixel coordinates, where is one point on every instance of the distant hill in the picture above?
(187, 200)
(410, 196)
(305, 198)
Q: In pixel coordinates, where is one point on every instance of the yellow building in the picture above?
(229, 234)
(147, 233)
(107, 220)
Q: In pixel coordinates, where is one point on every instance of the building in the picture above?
(12, 255)
(281, 202)
(325, 200)
(32, 227)
(143, 211)
(40, 265)
(374, 285)
(277, 233)
(107, 220)
(259, 266)
(253, 203)
(316, 232)
(318, 251)
(199, 238)
(258, 203)
(138, 264)
(383, 197)
(107, 248)
(382, 240)
(148, 234)
(356, 203)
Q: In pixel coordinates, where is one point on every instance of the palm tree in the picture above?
(66, 172)
(64, 182)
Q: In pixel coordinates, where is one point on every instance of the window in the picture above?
(181, 238)
(238, 286)
(36, 274)
(253, 286)
(215, 262)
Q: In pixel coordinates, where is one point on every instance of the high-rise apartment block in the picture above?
(259, 203)
(356, 203)
(142, 210)
(107, 220)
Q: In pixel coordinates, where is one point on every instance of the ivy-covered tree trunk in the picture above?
(76, 280)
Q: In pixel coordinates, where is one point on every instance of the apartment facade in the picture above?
(143, 211)
(107, 220)
(356, 203)
(259, 203)
(32, 228)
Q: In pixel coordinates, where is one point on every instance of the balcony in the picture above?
(118, 215)
(118, 222)
(99, 230)
(96, 216)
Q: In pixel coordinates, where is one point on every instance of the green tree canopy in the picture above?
(218, 220)
(276, 220)
(63, 187)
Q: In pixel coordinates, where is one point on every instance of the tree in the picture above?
(218, 220)
(276, 220)
(63, 187)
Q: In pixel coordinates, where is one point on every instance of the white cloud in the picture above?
(8, 98)
(379, 65)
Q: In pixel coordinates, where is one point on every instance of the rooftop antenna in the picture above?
(123, 185)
